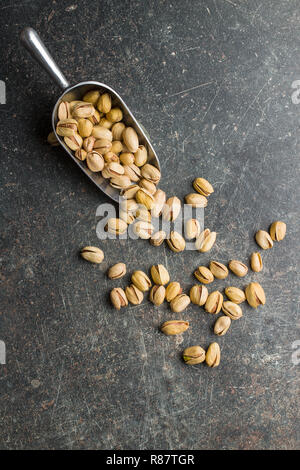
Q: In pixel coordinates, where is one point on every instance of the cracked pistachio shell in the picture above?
(158, 238)
(263, 239)
(150, 187)
(115, 169)
(144, 197)
(117, 131)
(255, 294)
(171, 209)
(193, 355)
(256, 262)
(81, 154)
(100, 132)
(92, 96)
(140, 156)
(174, 327)
(64, 110)
(204, 275)
(111, 157)
(232, 310)
(214, 302)
(159, 198)
(172, 290)
(143, 214)
(118, 298)
(213, 355)
(92, 254)
(94, 161)
(128, 217)
(74, 142)
(114, 115)
(143, 229)
(116, 226)
(235, 294)
(95, 118)
(192, 229)
(157, 295)
(117, 271)
(238, 268)
(219, 270)
(202, 186)
(104, 103)
(150, 173)
(133, 172)
(198, 295)
(196, 200)
(130, 139)
(120, 182)
(205, 241)
(126, 158)
(278, 231)
(222, 325)
(160, 274)
(141, 280)
(88, 143)
(130, 192)
(129, 205)
(180, 303)
(176, 242)
(134, 295)
(83, 110)
(66, 127)
(85, 127)
(103, 146)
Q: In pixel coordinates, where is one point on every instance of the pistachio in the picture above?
(159, 198)
(219, 270)
(171, 209)
(278, 231)
(133, 172)
(140, 156)
(111, 157)
(180, 303)
(100, 132)
(214, 302)
(88, 143)
(114, 115)
(192, 229)
(118, 298)
(263, 239)
(102, 146)
(116, 146)
(95, 161)
(232, 310)
(150, 173)
(115, 169)
(117, 271)
(130, 139)
(134, 295)
(116, 226)
(117, 130)
(105, 123)
(176, 242)
(193, 355)
(213, 355)
(235, 295)
(104, 103)
(202, 186)
(52, 140)
(74, 142)
(174, 327)
(160, 274)
(129, 205)
(92, 96)
(120, 182)
(144, 197)
(205, 241)
(64, 111)
(222, 325)
(128, 217)
(157, 238)
(196, 200)
(143, 214)
(204, 275)
(80, 154)
(143, 229)
(173, 290)
(105, 173)
(150, 187)
(95, 118)
(130, 192)
(85, 127)
(256, 262)
(157, 295)
(92, 254)
(255, 294)
(82, 110)
(66, 127)
(126, 158)
(141, 280)
(238, 268)
(198, 295)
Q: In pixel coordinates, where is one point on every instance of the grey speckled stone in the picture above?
(212, 82)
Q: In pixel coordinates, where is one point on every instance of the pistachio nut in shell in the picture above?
(204, 275)
(126, 158)
(256, 262)
(143, 229)
(232, 310)
(118, 298)
(94, 161)
(150, 173)
(103, 146)
(116, 146)
(202, 186)
(235, 294)
(104, 103)
(174, 327)
(213, 355)
(120, 182)
(263, 239)
(114, 115)
(92, 96)
(128, 217)
(157, 295)
(150, 187)
(130, 192)
(238, 268)
(160, 274)
(196, 200)
(92, 254)
(85, 127)
(172, 290)
(171, 209)
(141, 280)
(116, 226)
(180, 303)
(140, 156)
(130, 139)
(158, 238)
(66, 127)
(101, 132)
(214, 302)
(192, 229)
(64, 111)
(255, 294)
(117, 271)
(82, 110)
(144, 197)
(159, 198)
(278, 231)
(198, 294)
(74, 142)
(88, 143)
(176, 242)
(81, 154)
(205, 241)
(219, 270)
(193, 355)
(117, 131)
(222, 325)
(134, 295)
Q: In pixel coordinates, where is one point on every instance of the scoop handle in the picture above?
(33, 43)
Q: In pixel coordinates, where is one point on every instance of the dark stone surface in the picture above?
(212, 83)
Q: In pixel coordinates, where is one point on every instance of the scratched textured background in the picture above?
(212, 82)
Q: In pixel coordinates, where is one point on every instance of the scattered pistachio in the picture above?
(158, 238)
(263, 239)
(141, 280)
(222, 325)
(180, 303)
(157, 295)
(196, 200)
(116, 226)
(134, 295)
(213, 355)
(278, 231)
(255, 294)
(256, 262)
(160, 274)
(159, 198)
(192, 229)
(204, 275)
(219, 270)
(235, 294)
(171, 209)
(232, 310)
(92, 254)
(173, 289)
(214, 302)
(118, 298)
(205, 241)
(238, 268)
(174, 327)
(194, 355)
(202, 186)
(143, 229)
(198, 295)
(117, 271)
(176, 242)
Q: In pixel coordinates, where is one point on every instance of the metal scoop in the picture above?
(37, 49)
